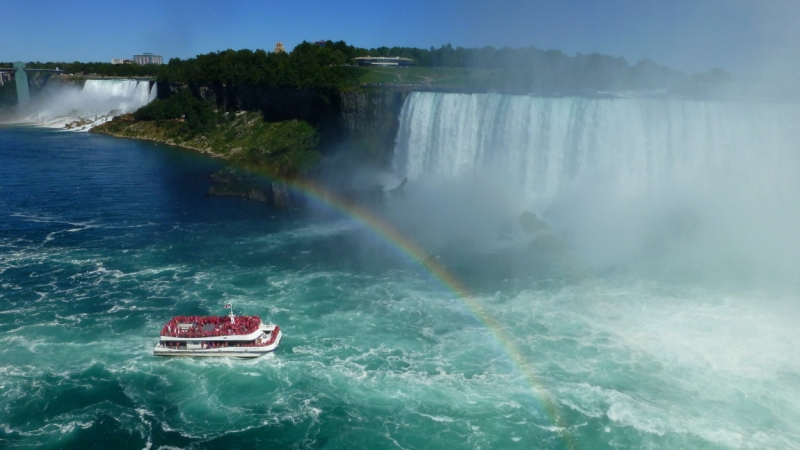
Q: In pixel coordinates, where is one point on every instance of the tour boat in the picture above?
(236, 336)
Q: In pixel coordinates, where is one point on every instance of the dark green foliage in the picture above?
(278, 148)
(308, 66)
(199, 115)
(326, 68)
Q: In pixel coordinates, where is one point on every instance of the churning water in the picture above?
(66, 106)
(666, 318)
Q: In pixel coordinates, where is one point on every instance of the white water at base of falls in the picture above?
(617, 177)
(79, 109)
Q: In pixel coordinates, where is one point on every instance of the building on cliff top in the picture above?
(5, 77)
(148, 58)
(383, 61)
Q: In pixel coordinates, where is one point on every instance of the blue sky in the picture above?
(745, 37)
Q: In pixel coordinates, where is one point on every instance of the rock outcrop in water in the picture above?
(531, 224)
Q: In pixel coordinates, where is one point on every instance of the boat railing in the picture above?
(213, 344)
(210, 326)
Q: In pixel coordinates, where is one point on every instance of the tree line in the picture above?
(328, 67)
(94, 68)
(308, 66)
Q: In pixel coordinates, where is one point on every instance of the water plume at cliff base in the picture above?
(625, 180)
(79, 108)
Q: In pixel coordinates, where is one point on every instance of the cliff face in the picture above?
(358, 125)
(366, 113)
(274, 104)
(369, 123)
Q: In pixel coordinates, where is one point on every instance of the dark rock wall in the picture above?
(369, 123)
(275, 104)
(370, 113)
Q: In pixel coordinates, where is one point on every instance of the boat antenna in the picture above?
(230, 306)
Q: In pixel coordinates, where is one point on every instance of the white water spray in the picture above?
(79, 109)
(620, 176)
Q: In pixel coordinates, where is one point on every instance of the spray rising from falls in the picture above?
(98, 101)
(619, 176)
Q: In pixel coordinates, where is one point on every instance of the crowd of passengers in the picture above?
(222, 326)
(212, 344)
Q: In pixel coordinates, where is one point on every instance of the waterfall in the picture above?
(153, 93)
(98, 101)
(615, 170)
(541, 144)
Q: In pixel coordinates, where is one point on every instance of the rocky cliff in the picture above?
(369, 123)
(359, 125)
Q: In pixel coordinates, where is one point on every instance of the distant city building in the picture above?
(148, 58)
(383, 61)
(279, 48)
(6, 76)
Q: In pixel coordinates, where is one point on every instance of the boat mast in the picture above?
(230, 306)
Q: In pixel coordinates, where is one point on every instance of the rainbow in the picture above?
(419, 256)
(414, 253)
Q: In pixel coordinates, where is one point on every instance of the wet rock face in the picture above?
(367, 113)
(274, 104)
(532, 224)
(281, 196)
(369, 120)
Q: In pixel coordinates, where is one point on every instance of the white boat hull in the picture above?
(234, 352)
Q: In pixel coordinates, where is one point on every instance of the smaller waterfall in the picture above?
(79, 109)
(153, 93)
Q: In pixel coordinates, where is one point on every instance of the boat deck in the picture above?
(210, 326)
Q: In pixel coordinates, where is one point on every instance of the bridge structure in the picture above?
(21, 77)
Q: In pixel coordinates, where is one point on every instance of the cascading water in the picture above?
(153, 93)
(79, 109)
(542, 144)
(614, 173)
